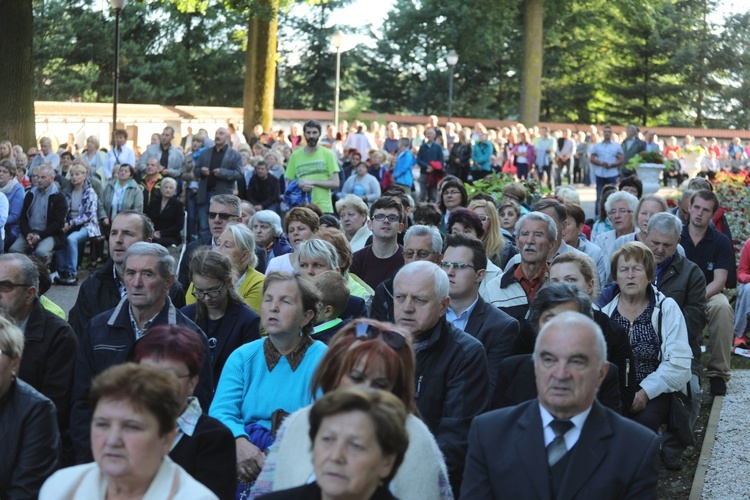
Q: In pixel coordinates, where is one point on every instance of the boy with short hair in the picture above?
(334, 289)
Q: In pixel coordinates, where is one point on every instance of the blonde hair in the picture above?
(493, 241)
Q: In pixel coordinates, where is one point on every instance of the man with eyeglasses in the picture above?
(50, 344)
(110, 337)
(452, 382)
(464, 261)
(224, 208)
(105, 288)
(420, 243)
(379, 261)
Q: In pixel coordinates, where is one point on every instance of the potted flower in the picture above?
(692, 155)
(649, 165)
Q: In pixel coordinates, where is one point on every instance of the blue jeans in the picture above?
(600, 183)
(67, 257)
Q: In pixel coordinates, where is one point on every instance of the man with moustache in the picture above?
(513, 291)
(314, 168)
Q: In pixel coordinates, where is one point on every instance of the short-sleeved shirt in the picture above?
(315, 167)
(714, 251)
(373, 270)
(606, 152)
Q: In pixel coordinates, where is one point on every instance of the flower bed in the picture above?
(733, 191)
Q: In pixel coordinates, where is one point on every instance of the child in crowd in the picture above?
(334, 289)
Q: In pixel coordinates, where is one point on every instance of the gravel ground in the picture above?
(728, 474)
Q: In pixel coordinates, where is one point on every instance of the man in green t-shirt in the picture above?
(315, 168)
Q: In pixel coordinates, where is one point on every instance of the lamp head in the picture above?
(451, 58)
(337, 39)
(118, 4)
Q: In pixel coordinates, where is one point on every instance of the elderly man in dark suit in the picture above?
(217, 169)
(587, 451)
(465, 262)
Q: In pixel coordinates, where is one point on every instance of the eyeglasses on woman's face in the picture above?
(212, 294)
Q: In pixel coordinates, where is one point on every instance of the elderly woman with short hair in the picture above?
(353, 426)
(97, 159)
(269, 235)
(619, 207)
(30, 449)
(167, 212)
(658, 335)
(353, 213)
(648, 205)
(132, 429)
(276, 371)
(301, 224)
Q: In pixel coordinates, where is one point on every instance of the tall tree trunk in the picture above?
(17, 75)
(531, 72)
(260, 64)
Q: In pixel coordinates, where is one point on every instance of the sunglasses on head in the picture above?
(367, 331)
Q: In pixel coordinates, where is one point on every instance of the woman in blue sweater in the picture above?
(268, 378)
(13, 190)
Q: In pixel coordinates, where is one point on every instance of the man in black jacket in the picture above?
(109, 337)
(42, 217)
(50, 344)
(451, 373)
(104, 289)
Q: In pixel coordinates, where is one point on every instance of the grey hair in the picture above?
(539, 216)
(29, 271)
(432, 232)
(11, 338)
(687, 194)
(165, 262)
(45, 166)
(169, 180)
(574, 321)
(553, 294)
(425, 268)
(628, 198)
(665, 223)
(82, 160)
(245, 239)
(268, 217)
(317, 249)
(228, 200)
(353, 201)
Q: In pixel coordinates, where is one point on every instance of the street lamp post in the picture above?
(452, 59)
(117, 5)
(338, 40)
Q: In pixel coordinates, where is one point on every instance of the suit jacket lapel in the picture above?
(588, 453)
(529, 444)
(476, 318)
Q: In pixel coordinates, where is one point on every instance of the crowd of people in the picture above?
(345, 321)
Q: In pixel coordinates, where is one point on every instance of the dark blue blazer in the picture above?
(238, 326)
(613, 458)
(497, 331)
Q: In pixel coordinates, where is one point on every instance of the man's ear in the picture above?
(170, 281)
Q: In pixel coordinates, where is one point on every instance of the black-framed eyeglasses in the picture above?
(8, 286)
(370, 332)
(422, 254)
(446, 265)
(382, 217)
(201, 294)
(6, 353)
(222, 216)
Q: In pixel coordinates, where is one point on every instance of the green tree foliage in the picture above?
(735, 51)
(166, 56)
